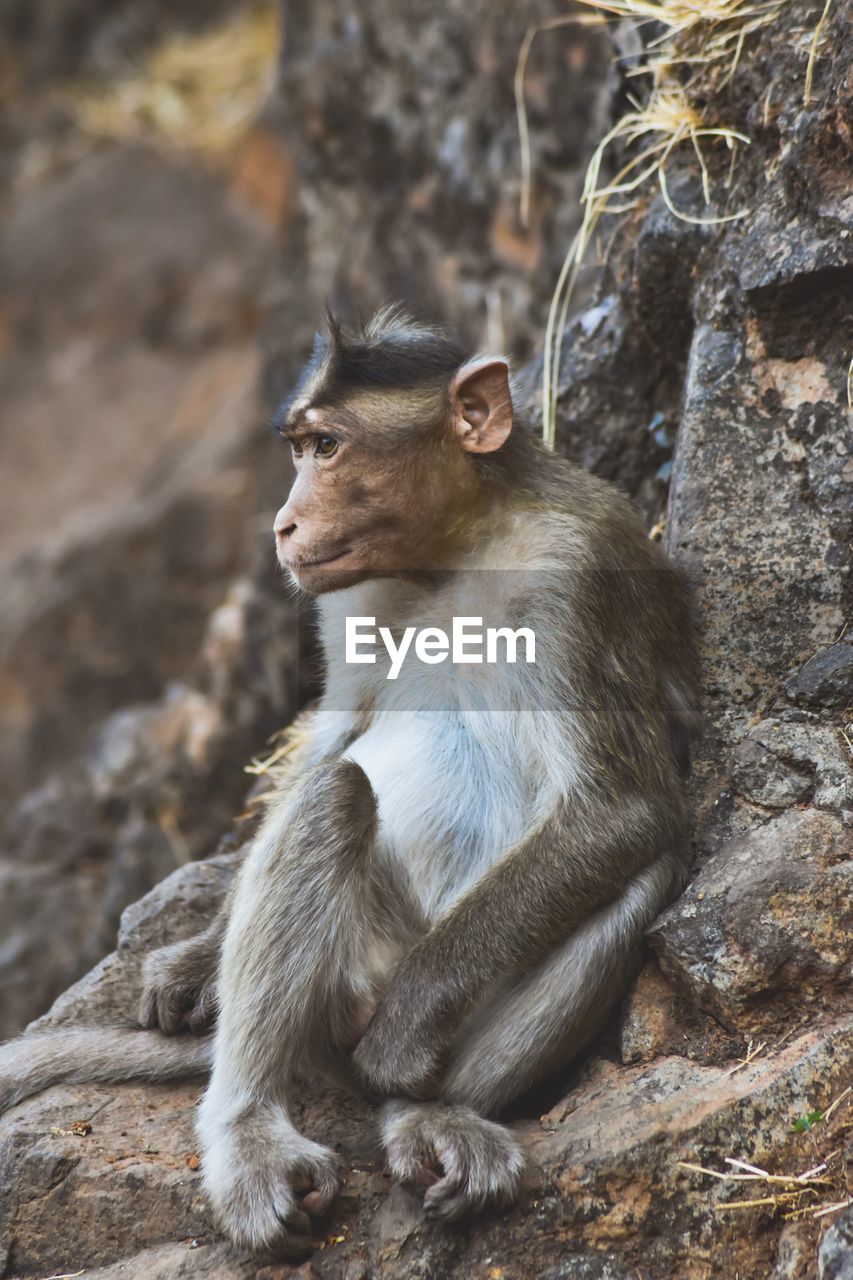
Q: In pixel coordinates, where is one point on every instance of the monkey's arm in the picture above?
(570, 867)
(179, 981)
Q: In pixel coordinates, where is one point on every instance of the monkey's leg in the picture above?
(308, 936)
(529, 1026)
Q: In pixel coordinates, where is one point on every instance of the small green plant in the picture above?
(808, 1121)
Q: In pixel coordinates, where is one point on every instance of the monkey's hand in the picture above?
(179, 985)
(401, 1053)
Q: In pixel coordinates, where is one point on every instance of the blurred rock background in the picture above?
(184, 186)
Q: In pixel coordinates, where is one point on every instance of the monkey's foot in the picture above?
(466, 1163)
(265, 1180)
(179, 987)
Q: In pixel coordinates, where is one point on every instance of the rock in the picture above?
(402, 137)
(157, 785)
(129, 377)
(612, 415)
(730, 523)
(613, 1166)
(63, 37)
(835, 1257)
(764, 934)
(650, 1024)
(179, 907)
(794, 1256)
(780, 763)
(124, 1186)
(763, 778)
(826, 680)
(191, 1258)
(659, 1021)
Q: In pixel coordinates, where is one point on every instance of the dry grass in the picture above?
(196, 91)
(817, 1192)
(277, 764)
(689, 64)
(818, 32)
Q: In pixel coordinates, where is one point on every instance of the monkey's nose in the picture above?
(282, 532)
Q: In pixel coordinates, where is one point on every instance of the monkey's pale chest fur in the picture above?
(451, 796)
(459, 777)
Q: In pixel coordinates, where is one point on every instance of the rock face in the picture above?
(121, 539)
(391, 145)
(835, 1260)
(826, 680)
(399, 128)
(766, 928)
(158, 784)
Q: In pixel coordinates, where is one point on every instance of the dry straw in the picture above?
(691, 60)
(817, 1192)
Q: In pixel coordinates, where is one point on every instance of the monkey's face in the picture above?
(358, 510)
(385, 478)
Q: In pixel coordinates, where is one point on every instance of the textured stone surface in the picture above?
(650, 1022)
(835, 1259)
(130, 439)
(765, 930)
(781, 762)
(826, 680)
(399, 122)
(157, 785)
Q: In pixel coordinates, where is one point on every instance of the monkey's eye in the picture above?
(297, 448)
(325, 446)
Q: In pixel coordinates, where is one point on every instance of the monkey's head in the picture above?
(389, 429)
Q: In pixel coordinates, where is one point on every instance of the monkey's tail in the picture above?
(97, 1055)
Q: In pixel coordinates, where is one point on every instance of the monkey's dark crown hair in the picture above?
(391, 350)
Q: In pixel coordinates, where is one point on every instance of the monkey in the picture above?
(449, 891)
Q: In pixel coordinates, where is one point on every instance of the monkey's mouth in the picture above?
(320, 562)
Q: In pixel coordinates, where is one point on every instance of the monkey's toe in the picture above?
(296, 1238)
(467, 1164)
(266, 1213)
(450, 1198)
(264, 1179)
(317, 1202)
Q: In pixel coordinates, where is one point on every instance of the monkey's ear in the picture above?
(481, 404)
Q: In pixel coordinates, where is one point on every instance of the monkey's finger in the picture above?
(172, 1004)
(294, 1247)
(317, 1200)
(421, 1174)
(203, 1015)
(296, 1239)
(146, 1014)
(446, 1207)
(323, 1184)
